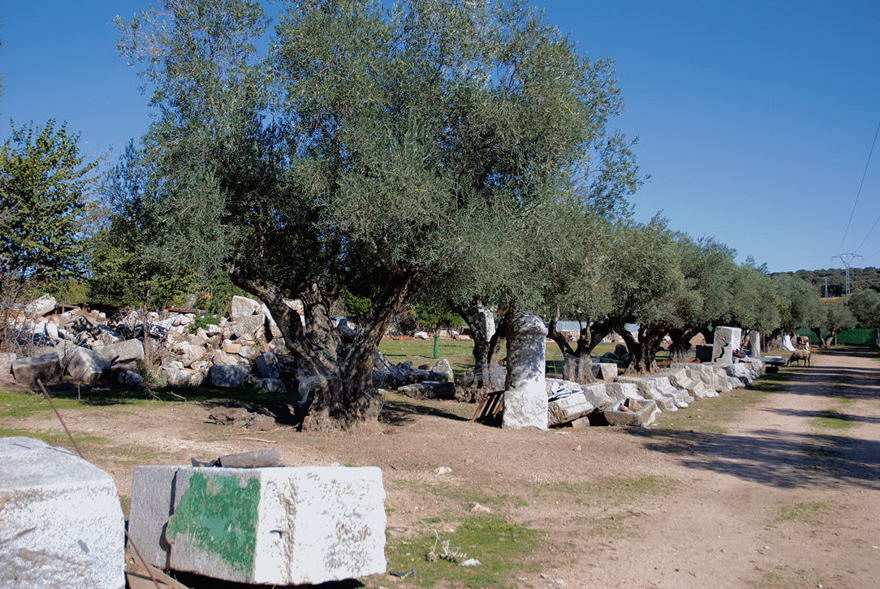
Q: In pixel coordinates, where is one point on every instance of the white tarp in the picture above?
(786, 343)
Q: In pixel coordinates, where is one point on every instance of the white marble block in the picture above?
(525, 397)
(282, 525)
(61, 524)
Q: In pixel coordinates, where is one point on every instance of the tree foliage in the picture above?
(45, 196)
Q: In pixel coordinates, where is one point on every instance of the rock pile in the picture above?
(637, 400)
(89, 347)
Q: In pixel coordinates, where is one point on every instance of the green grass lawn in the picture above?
(460, 353)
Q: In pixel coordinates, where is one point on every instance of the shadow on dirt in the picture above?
(400, 413)
(774, 457)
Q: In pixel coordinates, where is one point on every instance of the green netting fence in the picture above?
(854, 337)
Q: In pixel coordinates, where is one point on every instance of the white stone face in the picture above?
(124, 351)
(41, 306)
(725, 341)
(61, 525)
(244, 307)
(525, 397)
(285, 525)
(86, 366)
(755, 344)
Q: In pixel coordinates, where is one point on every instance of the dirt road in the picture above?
(788, 496)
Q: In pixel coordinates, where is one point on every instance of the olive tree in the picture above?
(372, 150)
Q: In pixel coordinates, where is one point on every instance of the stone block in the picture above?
(597, 395)
(62, 525)
(248, 326)
(632, 412)
(129, 378)
(283, 525)
(45, 367)
(429, 390)
(228, 377)
(267, 365)
(568, 408)
(620, 391)
(725, 341)
(41, 306)
(605, 371)
(124, 351)
(244, 307)
(85, 366)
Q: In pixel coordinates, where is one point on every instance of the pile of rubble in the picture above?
(88, 347)
(630, 400)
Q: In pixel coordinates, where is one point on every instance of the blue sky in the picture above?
(754, 118)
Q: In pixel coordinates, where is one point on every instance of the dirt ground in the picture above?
(779, 490)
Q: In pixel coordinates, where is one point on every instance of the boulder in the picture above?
(228, 377)
(129, 378)
(244, 307)
(124, 351)
(62, 524)
(267, 365)
(271, 385)
(442, 371)
(281, 525)
(45, 367)
(41, 306)
(222, 358)
(86, 366)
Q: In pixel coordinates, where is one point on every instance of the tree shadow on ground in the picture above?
(809, 414)
(774, 457)
(400, 413)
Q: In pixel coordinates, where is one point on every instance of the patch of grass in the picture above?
(625, 489)
(832, 420)
(460, 494)
(710, 415)
(499, 545)
(811, 512)
(54, 439)
(19, 404)
(847, 400)
(785, 577)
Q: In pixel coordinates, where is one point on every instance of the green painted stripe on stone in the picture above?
(219, 516)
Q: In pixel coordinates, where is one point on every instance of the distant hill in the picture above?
(860, 278)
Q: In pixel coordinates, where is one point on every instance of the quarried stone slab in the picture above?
(124, 351)
(61, 525)
(726, 340)
(45, 367)
(286, 525)
(567, 408)
(632, 412)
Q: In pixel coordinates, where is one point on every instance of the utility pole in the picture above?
(847, 261)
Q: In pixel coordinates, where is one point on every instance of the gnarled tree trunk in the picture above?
(643, 352)
(578, 361)
(487, 348)
(335, 377)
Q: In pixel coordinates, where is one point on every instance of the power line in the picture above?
(870, 231)
(859, 192)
